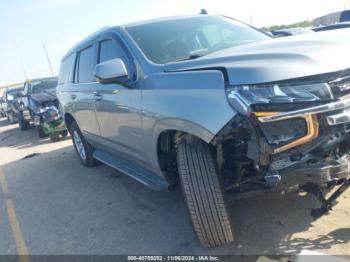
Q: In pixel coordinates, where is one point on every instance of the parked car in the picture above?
(332, 27)
(9, 101)
(2, 107)
(38, 103)
(214, 104)
(291, 31)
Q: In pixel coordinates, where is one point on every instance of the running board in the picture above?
(140, 174)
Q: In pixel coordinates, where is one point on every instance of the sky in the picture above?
(25, 25)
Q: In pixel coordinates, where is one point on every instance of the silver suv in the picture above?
(215, 105)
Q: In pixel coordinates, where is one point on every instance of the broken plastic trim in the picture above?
(342, 104)
(312, 130)
(312, 133)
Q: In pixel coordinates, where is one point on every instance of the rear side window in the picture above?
(65, 70)
(110, 50)
(85, 66)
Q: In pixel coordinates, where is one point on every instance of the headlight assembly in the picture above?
(243, 97)
(50, 113)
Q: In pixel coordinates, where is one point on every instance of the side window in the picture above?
(65, 70)
(110, 50)
(85, 66)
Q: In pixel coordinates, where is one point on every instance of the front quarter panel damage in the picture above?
(193, 102)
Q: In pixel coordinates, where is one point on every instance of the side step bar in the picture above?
(138, 173)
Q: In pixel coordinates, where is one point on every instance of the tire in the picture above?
(64, 133)
(41, 132)
(204, 193)
(23, 124)
(80, 143)
(55, 137)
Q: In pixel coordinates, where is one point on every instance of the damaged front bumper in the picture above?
(292, 133)
(306, 149)
(317, 155)
(50, 126)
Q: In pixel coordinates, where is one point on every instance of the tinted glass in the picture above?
(12, 94)
(86, 65)
(173, 40)
(40, 86)
(345, 16)
(65, 70)
(110, 50)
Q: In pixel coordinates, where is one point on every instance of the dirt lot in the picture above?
(61, 207)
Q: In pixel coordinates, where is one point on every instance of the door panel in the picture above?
(117, 110)
(83, 95)
(117, 106)
(84, 109)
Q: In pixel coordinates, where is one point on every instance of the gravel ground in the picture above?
(65, 208)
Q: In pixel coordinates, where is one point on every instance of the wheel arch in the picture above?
(168, 137)
(68, 120)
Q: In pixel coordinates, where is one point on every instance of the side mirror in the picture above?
(113, 70)
(21, 94)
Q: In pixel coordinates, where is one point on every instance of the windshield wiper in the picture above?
(190, 57)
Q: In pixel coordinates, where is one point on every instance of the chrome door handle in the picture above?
(73, 96)
(97, 96)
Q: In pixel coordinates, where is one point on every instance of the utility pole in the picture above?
(48, 59)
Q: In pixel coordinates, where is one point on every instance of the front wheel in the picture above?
(41, 132)
(64, 133)
(23, 124)
(55, 137)
(204, 193)
(82, 147)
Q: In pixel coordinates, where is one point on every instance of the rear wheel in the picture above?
(204, 193)
(82, 147)
(23, 124)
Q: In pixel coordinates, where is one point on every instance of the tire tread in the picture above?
(204, 193)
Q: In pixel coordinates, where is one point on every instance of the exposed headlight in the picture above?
(50, 112)
(243, 97)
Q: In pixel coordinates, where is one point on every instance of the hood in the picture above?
(277, 59)
(48, 95)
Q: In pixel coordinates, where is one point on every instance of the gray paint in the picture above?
(278, 59)
(188, 96)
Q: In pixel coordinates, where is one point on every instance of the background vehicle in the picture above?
(332, 27)
(213, 104)
(9, 103)
(38, 103)
(291, 31)
(2, 107)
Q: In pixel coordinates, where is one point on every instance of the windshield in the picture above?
(11, 95)
(173, 40)
(40, 86)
